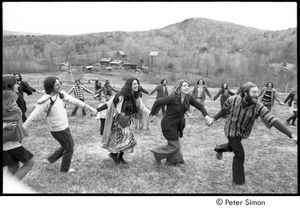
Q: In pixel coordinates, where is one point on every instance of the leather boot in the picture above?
(120, 158)
(115, 158)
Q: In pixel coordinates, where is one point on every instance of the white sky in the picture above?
(91, 17)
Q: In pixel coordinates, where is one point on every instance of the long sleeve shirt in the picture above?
(173, 121)
(162, 91)
(57, 118)
(290, 98)
(78, 91)
(242, 116)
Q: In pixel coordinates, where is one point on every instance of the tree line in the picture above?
(208, 48)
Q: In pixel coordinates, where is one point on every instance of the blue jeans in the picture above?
(66, 150)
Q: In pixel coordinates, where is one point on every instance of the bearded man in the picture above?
(242, 111)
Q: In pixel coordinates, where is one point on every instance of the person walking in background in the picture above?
(199, 93)
(108, 89)
(13, 132)
(268, 95)
(101, 116)
(290, 98)
(98, 90)
(23, 87)
(162, 92)
(224, 92)
(242, 111)
(294, 109)
(118, 134)
(200, 90)
(173, 122)
(78, 90)
(52, 103)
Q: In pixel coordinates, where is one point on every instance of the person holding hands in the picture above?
(173, 122)
(242, 111)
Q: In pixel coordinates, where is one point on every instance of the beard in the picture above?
(251, 99)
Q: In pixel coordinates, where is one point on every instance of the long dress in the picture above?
(118, 130)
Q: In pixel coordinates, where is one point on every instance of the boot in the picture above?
(120, 158)
(115, 158)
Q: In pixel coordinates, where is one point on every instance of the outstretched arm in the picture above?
(87, 90)
(160, 102)
(218, 94)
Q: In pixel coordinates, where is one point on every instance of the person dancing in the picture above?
(173, 122)
(118, 136)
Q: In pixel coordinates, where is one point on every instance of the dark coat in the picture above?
(225, 94)
(290, 98)
(173, 122)
(23, 87)
(160, 91)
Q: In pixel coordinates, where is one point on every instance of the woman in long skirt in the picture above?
(121, 110)
(173, 122)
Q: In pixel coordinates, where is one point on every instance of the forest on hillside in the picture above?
(216, 50)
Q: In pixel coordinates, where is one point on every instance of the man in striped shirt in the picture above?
(78, 93)
(243, 109)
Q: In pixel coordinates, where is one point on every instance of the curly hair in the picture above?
(270, 83)
(200, 80)
(126, 89)
(178, 85)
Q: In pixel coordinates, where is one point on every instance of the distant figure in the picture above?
(23, 87)
(78, 92)
(224, 92)
(98, 90)
(101, 116)
(200, 90)
(290, 98)
(162, 92)
(294, 110)
(199, 93)
(268, 95)
(107, 90)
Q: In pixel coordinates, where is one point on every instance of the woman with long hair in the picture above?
(173, 122)
(225, 94)
(121, 110)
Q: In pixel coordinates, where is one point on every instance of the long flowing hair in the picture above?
(126, 89)
(18, 75)
(198, 82)
(176, 92)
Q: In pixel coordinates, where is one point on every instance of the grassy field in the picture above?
(270, 163)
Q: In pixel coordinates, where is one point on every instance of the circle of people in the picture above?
(118, 113)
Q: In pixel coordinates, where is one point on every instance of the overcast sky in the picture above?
(91, 17)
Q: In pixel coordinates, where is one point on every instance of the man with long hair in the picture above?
(52, 103)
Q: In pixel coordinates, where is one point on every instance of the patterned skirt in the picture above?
(121, 139)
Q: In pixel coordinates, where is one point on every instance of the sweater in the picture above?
(57, 118)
